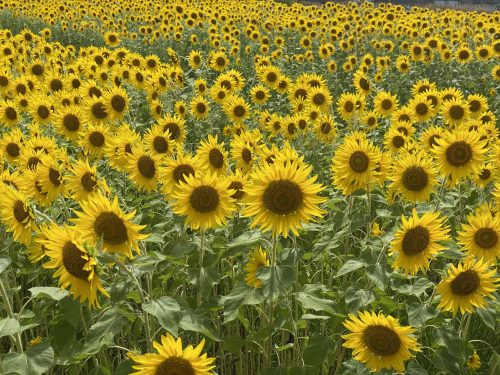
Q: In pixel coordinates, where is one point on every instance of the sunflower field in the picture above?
(248, 187)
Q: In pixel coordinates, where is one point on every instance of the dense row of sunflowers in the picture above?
(297, 121)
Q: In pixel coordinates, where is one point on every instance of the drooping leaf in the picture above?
(167, 311)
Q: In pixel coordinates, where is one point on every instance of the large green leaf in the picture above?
(356, 298)
(420, 313)
(350, 266)
(416, 289)
(308, 300)
(316, 350)
(4, 263)
(40, 358)
(167, 311)
(55, 294)
(9, 326)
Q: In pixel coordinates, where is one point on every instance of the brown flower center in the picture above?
(216, 158)
(146, 166)
(283, 197)
(73, 261)
(10, 113)
(13, 149)
(174, 129)
(415, 178)
(416, 240)
(239, 111)
(486, 238)
(118, 103)
(465, 283)
(181, 172)
(359, 161)
(43, 112)
(456, 112)
(458, 154)
(88, 181)
(381, 340)
(20, 212)
(204, 199)
(111, 228)
(55, 177)
(398, 141)
(386, 104)
(238, 188)
(96, 139)
(71, 122)
(99, 111)
(175, 366)
(160, 144)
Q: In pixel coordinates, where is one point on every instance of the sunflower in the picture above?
(259, 94)
(385, 103)
(395, 141)
(325, 128)
(379, 341)
(454, 111)
(243, 153)
(143, 169)
(16, 215)
(429, 137)
(94, 139)
(236, 184)
(76, 268)
(118, 147)
(370, 119)
(319, 97)
(199, 108)
(467, 286)
(463, 54)
(414, 176)
(348, 105)
(9, 113)
(218, 61)
(478, 104)
(11, 179)
(256, 259)
(102, 220)
(421, 108)
(212, 156)
(176, 127)
(416, 242)
(474, 361)
(116, 102)
(355, 164)
(172, 359)
(158, 142)
(459, 154)
(69, 121)
(235, 108)
(195, 59)
(84, 182)
(204, 200)
(361, 83)
(480, 237)
(40, 109)
(50, 177)
(11, 145)
(96, 111)
(282, 196)
(176, 170)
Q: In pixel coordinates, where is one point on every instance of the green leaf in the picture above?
(446, 362)
(356, 298)
(167, 311)
(419, 314)
(316, 350)
(8, 326)
(351, 367)
(283, 278)
(40, 358)
(233, 344)
(100, 371)
(414, 368)
(245, 240)
(305, 370)
(274, 371)
(4, 263)
(53, 293)
(124, 368)
(102, 333)
(489, 317)
(310, 301)
(14, 363)
(190, 321)
(417, 289)
(154, 238)
(376, 273)
(350, 266)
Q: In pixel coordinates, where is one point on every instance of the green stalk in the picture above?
(200, 265)
(268, 345)
(10, 313)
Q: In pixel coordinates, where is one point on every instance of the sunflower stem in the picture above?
(269, 341)
(369, 209)
(200, 264)
(10, 314)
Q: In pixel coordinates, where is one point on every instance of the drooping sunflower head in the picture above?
(379, 341)
(466, 286)
(256, 259)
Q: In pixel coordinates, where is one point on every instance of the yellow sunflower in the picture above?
(385, 103)
(355, 164)
(143, 169)
(416, 243)
(102, 220)
(256, 259)
(480, 237)
(176, 170)
(413, 176)
(455, 111)
(460, 153)
(204, 200)
(467, 286)
(16, 215)
(76, 268)
(172, 359)
(282, 196)
(379, 341)
(200, 108)
(158, 142)
(212, 156)
(83, 182)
